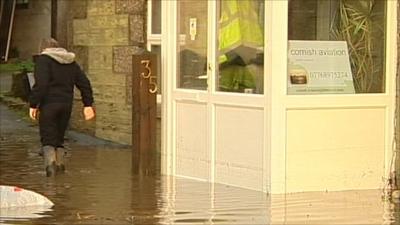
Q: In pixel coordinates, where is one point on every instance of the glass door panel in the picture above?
(240, 52)
(192, 46)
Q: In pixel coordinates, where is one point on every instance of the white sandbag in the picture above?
(26, 212)
(11, 196)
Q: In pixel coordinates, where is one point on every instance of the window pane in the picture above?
(336, 46)
(192, 50)
(241, 46)
(22, 1)
(21, 4)
(156, 17)
(156, 49)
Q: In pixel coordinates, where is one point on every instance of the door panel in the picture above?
(190, 93)
(193, 157)
(218, 132)
(239, 146)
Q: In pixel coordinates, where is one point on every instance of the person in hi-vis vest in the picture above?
(241, 39)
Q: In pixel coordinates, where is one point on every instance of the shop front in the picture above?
(279, 96)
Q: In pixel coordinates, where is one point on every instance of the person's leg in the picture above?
(48, 136)
(48, 127)
(49, 157)
(62, 124)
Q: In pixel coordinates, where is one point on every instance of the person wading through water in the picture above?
(56, 73)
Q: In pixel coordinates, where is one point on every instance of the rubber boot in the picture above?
(60, 159)
(49, 155)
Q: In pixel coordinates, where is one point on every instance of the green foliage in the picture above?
(17, 65)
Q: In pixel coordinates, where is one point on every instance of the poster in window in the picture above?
(319, 67)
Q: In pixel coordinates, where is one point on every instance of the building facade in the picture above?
(240, 104)
(298, 110)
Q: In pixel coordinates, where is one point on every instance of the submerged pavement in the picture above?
(99, 187)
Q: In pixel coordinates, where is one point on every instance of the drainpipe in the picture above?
(396, 193)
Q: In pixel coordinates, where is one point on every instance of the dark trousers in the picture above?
(53, 121)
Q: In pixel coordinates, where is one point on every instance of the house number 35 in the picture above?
(147, 75)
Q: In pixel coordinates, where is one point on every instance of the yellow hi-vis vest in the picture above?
(239, 29)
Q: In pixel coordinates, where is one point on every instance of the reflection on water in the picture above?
(23, 213)
(99, 188)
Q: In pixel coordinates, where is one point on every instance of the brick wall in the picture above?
(104, 37)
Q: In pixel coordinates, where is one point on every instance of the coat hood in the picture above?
(60, 55)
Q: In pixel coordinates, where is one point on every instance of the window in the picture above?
(192, 44)
(336, 46)
(156, 16)
(22, 4)
(241, 46)
(154, 35)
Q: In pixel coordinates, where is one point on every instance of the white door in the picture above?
(215, 105)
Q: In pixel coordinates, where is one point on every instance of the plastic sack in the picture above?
(28, 212)
(11, 196)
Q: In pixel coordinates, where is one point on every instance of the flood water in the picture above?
(99, 188)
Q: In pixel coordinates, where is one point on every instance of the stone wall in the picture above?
(105, 37)
(67, 12)
(30, 26)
